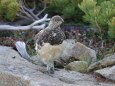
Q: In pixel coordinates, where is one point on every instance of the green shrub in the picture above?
(8, 9)
(99, 13)
(111, 31)
(67, 8)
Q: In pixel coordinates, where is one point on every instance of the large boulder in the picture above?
(105, 62)
(76, 50)
(108, 72)
(17, 71)
(80, 66)
(75, 78)
(10, 79)
(68, 51)
(84, 53)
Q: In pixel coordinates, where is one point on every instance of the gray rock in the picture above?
(79, 51)
(79, 79)
(17, 71)
(108, 72)
(84, 53)
(73, 76)
(80, 66)
(10, 79)
(105, 62)
(68, 52)
(36, 60)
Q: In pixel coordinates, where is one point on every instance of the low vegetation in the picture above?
(97, 14)
(8, 9)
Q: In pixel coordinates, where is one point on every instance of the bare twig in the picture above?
(42, 9)
(22, 16)
(30, 12)
(101, 37)
(23, 11)
(34, 7)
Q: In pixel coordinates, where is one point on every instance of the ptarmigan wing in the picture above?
(51, 36)
(40, 38)
(56, 36)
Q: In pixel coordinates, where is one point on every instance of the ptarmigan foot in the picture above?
(50, 68)
(56, 69)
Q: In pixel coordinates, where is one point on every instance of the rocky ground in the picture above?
(16, 71)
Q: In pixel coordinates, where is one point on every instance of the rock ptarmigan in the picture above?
(50, 43)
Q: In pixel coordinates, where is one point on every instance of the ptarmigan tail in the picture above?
(21, 47)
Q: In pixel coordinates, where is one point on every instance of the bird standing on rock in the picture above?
(49, 43)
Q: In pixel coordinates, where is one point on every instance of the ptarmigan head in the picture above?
(56, 21)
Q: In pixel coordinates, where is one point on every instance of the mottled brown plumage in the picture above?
(49, 42)
(52, 36)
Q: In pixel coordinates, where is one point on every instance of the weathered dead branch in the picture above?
(29, 13)
(31, 26)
